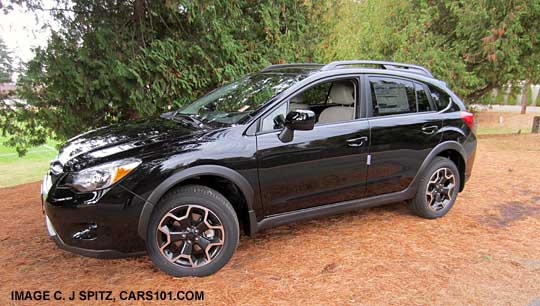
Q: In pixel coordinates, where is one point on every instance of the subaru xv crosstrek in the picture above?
(291, 142)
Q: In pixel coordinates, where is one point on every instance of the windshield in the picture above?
(234, 102)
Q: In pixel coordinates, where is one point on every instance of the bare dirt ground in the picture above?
(486, 251)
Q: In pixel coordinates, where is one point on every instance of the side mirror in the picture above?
(302, 120)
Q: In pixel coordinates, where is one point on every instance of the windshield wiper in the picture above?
(191, 118)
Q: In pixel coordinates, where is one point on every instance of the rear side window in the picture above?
(392, 96)
(440, 98)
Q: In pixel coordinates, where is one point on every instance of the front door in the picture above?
(322, 166)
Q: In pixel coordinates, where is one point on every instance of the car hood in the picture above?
(113, 142)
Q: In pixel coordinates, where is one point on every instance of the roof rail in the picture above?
(382, 64)
(291, 65)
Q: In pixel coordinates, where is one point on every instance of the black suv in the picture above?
(290, 142)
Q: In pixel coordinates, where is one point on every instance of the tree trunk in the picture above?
(525, 96)
(138, 14)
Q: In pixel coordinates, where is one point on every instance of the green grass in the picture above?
(500, 130)
(15, 170)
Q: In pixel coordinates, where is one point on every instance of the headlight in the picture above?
(101, 176)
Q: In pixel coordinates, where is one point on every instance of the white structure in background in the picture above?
(535, 89)
(6, 88)
(507, 91)
(10, 102)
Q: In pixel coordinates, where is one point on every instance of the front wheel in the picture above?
(193, 232)
(437, 189)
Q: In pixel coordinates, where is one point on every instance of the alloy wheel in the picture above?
(440, 188)
(190, 236)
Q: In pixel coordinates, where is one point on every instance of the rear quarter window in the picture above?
(440, 98)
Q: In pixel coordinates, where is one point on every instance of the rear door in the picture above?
(404, 128)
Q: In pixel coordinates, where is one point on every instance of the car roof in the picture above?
(294, 68)
(361, 66)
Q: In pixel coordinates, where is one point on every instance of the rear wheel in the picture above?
(437, 189)
(193, 232)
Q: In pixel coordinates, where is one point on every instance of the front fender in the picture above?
(188, 173)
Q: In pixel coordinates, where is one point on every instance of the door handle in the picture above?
(429, 129)
(357, 142)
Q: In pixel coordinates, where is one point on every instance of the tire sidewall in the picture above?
(230, 225)
(421, 200)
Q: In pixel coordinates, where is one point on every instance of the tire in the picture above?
(194, 220)
(426, 204)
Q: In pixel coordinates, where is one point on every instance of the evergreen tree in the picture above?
(475, 46)
(117, 60)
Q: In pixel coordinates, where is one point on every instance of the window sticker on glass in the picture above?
(391, 98)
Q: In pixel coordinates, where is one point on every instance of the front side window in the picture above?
(234, 102)
(392, 96)
(332, 101)
(275, 119)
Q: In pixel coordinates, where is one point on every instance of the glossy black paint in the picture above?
(317, 167)
(398, 147)
(332, 168)
(301, 120)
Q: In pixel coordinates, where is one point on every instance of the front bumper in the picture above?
(102, 254)
(104, 226)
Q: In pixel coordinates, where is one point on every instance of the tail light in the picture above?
(468, 118)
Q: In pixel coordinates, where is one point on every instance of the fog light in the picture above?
(86, 234)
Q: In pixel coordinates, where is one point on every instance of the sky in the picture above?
(22, 31)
